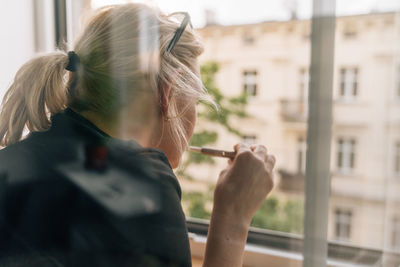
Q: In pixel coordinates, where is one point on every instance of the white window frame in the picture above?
(319, 135)
(346, 155)
(348, 83)
(343, 224)
(250, 82)
(44, 26)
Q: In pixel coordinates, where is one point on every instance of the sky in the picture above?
(253, 11)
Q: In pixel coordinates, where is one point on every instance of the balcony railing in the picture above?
(293, 110)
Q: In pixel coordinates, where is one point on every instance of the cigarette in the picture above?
(213, 152)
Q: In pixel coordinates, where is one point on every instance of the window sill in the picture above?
(269, 248)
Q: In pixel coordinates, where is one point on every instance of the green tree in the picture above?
(226, 109)
(284, 216)
(273, 214)
(195, 203)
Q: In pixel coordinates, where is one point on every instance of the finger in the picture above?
(223, 172)
(242, 150)
(261, 151)
(240, 147)
(270, 162)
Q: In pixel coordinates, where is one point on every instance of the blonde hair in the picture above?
(122, 57)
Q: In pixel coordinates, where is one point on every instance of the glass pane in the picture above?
(256, 67)
(364, 195)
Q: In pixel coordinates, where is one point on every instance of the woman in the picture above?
(77, 191)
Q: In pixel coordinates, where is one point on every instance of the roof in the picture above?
(365, 15)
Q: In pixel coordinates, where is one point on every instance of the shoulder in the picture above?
(22, 159)
(152, 162)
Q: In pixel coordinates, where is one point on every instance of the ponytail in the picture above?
(38, 90)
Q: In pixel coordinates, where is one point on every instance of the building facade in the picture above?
(270, 62)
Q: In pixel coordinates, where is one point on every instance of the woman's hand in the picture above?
(240, 191)
(244, 184)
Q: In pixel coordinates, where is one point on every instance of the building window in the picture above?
(301, 155)
(248, 40)
(396, 234)
(250, 82)
(343, 224)
(303, 81)
(346, 154)
(303, 90)
(397, 159)
(348, 83)
(349, 30)
(249, 139)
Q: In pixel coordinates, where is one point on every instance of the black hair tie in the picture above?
(73, 61)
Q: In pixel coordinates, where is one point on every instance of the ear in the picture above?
(164, 92)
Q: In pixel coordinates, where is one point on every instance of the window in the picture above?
(348, 83)
(250, 82)
(303, 84)
(301, 155)
(349, 31)
(343, 218)
(397, 159)
(346, 154)
(249, 139)
(248, 40)
(303, 88)
(396, 234)
(279, 52)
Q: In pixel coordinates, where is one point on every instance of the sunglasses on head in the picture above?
(180, 30)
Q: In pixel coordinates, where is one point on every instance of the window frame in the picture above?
(287, 245)
(346, 148)
(250, 87)
(348, 90)
(343, 224)
(60, 22)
